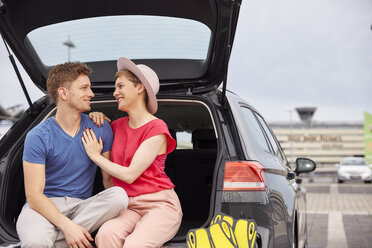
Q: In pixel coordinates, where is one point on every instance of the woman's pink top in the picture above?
(126, 142)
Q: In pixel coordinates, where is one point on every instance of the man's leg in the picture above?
(34, 230)
(96, 210)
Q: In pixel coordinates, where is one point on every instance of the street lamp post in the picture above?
(291, 135)
(69, 45)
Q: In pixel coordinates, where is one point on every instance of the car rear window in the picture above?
(107, 38)
(353, 162)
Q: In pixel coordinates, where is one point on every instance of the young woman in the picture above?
(141, 144)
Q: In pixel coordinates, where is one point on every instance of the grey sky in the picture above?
(286, 54)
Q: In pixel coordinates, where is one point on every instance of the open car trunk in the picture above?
(191, 166)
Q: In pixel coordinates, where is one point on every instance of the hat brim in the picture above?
(125, 63)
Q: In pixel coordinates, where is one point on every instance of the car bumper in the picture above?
(348, 177)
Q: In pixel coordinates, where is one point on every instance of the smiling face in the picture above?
(127, 93)
(79, 94)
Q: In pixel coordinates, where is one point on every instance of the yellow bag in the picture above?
(224, 232)
(198, 238)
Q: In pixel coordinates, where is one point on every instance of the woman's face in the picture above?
(126, 93)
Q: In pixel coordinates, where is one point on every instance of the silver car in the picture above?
(354, 168)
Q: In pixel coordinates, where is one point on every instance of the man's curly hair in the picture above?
(62, 75)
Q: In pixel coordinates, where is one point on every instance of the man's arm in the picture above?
(107, 178)
(34, 177)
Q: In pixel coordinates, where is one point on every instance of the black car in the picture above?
(227, 158)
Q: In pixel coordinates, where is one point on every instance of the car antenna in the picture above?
(234, 3)
(18, 74)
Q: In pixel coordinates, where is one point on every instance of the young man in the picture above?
(59, 176)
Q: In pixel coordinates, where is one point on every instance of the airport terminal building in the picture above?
(325, 143)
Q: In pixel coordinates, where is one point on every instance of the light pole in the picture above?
(69, 45)
(291, 135)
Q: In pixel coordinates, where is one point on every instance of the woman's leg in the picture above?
(114, 232)
(161, 220)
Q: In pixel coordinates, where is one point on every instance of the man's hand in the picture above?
(77, 236)
(98, 118)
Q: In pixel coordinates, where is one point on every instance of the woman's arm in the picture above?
(142, 159)
(107, 178)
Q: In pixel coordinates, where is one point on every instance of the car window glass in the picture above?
(103, 39)
(184, 140)
(4, 127)
(353, 162)
(282, 156)
(268, 133)
(255, 128)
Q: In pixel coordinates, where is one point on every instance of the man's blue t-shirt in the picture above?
(68, 169)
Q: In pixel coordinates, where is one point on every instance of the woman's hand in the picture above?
(92, 147)
(98, 118)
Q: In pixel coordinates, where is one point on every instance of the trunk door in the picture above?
(187, 43)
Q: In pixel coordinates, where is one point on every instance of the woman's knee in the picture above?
(105, 230)
(103, 235)
(109, 236)
(137, 242)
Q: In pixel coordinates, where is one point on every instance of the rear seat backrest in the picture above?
(192, 173)
(204, 139)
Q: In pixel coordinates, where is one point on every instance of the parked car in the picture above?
(354, 168)
(227, 158)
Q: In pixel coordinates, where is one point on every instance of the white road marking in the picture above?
(333, 189)
(336, 232)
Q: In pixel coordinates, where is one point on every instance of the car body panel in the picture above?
(288, 203)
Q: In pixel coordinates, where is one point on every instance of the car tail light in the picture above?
(244, 176)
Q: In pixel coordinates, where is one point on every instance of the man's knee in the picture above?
(34, 230)
(37, 241)
(35, 238)
(118, 199)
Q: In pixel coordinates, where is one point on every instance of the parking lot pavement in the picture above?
(339, 215)
(317, 226)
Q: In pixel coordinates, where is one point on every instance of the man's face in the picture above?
(80, 94)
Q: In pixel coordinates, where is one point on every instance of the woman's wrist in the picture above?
(95, 158)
